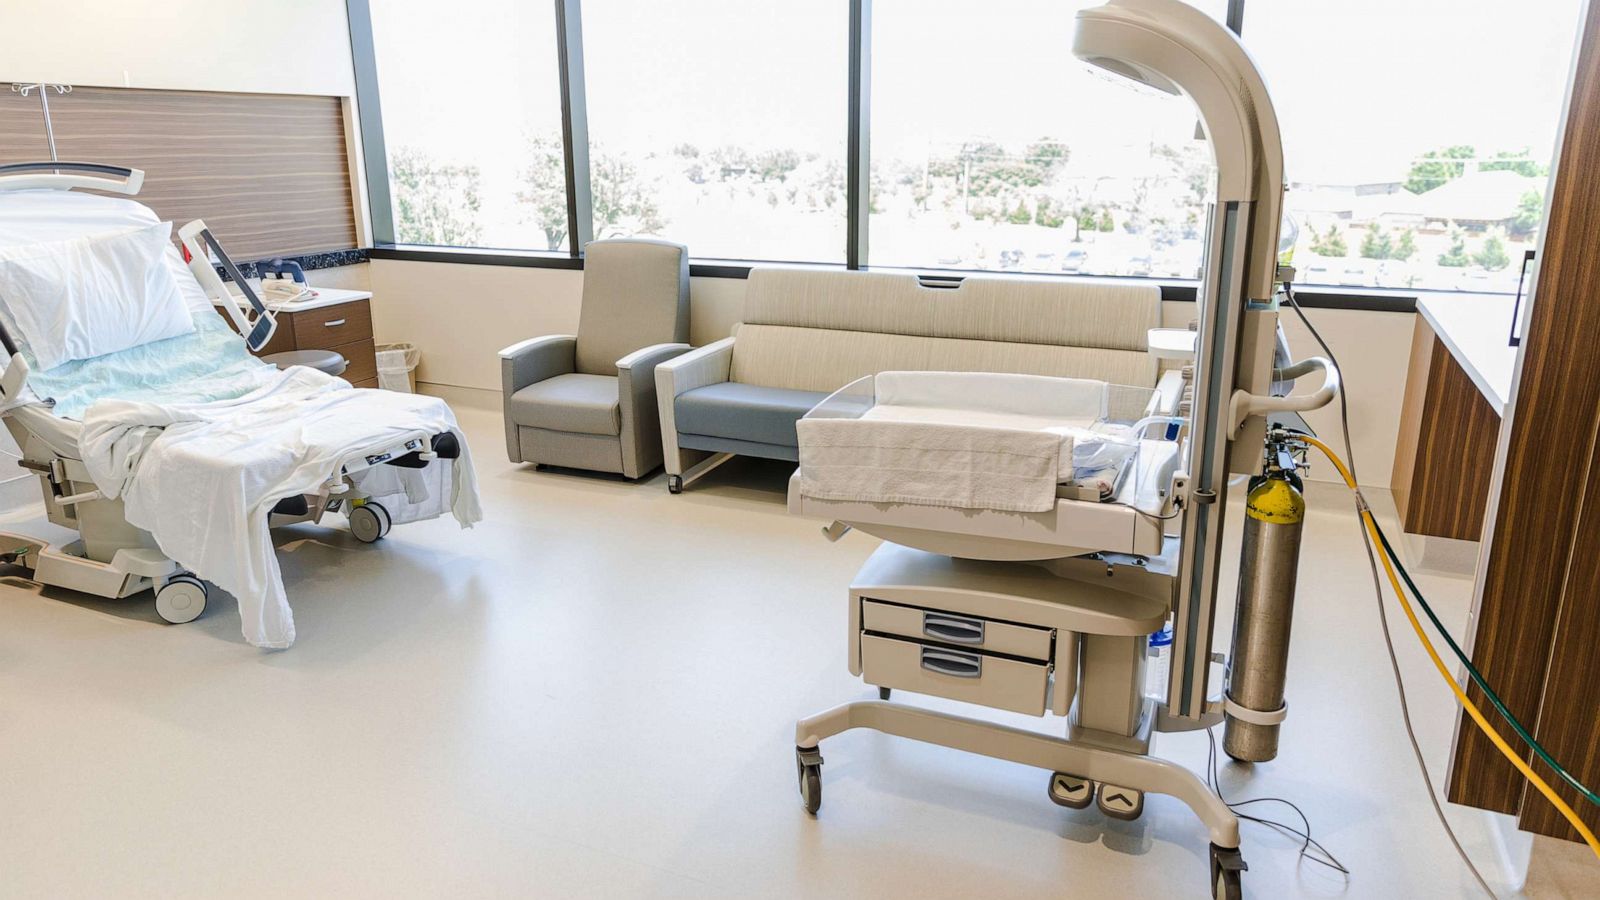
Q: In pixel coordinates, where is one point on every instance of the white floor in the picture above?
(593, 693)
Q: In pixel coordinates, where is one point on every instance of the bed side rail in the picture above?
(247, 312)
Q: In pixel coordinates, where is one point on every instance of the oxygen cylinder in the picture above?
(1274, 517)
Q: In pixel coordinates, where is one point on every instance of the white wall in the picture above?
(253, 46)
(460, 315)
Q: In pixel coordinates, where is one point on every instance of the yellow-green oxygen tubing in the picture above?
(1444, 671)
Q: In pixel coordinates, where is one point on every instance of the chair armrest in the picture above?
(696, 369)
(529, 362)
(710, 364)
(641, 421)
(643, 362)
(535, 360)
(1169, 392)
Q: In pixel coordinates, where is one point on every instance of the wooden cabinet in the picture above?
(337, 320)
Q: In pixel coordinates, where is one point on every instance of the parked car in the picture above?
(1073, 260)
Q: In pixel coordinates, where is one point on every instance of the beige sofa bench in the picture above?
(806, 333)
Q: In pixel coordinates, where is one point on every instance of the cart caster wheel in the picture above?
(1071, 791)
(883, 693)
(674, 484)
(1227, 870)
(808, 767)
(182, 599)
(1120, 802)
(369, 522)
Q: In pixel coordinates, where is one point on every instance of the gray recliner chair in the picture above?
(588, 401)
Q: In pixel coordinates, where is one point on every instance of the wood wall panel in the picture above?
(1457, 434)
(269, 173)
(1537, 617)
(1405, 444)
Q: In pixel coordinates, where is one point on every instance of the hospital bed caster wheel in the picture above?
(1071, 791)
(808, 767)
(1120, 802)
(674, 484)
(1227, 868)
(369, 522)
(182, 599)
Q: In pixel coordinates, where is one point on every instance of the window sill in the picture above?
(1173, 290)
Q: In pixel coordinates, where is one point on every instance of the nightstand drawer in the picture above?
(361, 358)
(332, 326)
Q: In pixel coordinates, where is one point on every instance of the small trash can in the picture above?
(397, 367)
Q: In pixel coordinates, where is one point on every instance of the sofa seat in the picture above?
(745, 412)
(574, 403)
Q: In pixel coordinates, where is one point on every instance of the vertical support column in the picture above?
(574, 124)
(858, 156)
(374, 157)
(1221, 304)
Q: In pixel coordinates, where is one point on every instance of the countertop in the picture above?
(1476, 328)
(325, 297)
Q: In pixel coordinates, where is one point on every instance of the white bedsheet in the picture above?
(202, 477)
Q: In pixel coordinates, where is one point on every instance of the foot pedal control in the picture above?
(1071, 791)
(1120, 802)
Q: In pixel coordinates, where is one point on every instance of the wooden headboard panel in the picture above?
(268, 172)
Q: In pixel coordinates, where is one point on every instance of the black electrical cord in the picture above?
(1321, 856)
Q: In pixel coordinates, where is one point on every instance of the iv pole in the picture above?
(44, 88)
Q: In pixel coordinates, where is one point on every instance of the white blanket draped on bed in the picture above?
(202, 477)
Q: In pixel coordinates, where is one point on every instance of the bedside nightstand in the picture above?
(336, 319)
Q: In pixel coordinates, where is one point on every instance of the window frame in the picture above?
(575, 149)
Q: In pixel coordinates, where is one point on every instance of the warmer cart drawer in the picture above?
(966, 675)
(953, 628)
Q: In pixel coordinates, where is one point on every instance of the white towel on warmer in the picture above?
(928, 463)
(963, 439)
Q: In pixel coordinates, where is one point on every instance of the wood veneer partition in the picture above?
(268, 172)
(1445, 451)
(1537, 619)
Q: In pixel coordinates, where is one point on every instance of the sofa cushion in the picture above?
(825, 359)
(744, 412)
(1062, 312)
(581, 404)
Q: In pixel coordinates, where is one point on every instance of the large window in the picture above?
(472, 122)
(993, 148)
(1417, 133)
(720, 124)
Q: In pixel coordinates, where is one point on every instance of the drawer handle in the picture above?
(955, 629)
(333, 324)
(952, 662)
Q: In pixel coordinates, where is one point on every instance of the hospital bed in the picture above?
(41, 202)
(1001, 582)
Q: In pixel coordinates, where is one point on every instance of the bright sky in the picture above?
(1360, 86)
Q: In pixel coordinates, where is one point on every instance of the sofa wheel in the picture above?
(674, 484)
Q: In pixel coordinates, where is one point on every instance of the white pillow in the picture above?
(92, 295)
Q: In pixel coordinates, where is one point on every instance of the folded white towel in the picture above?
(895, 460)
